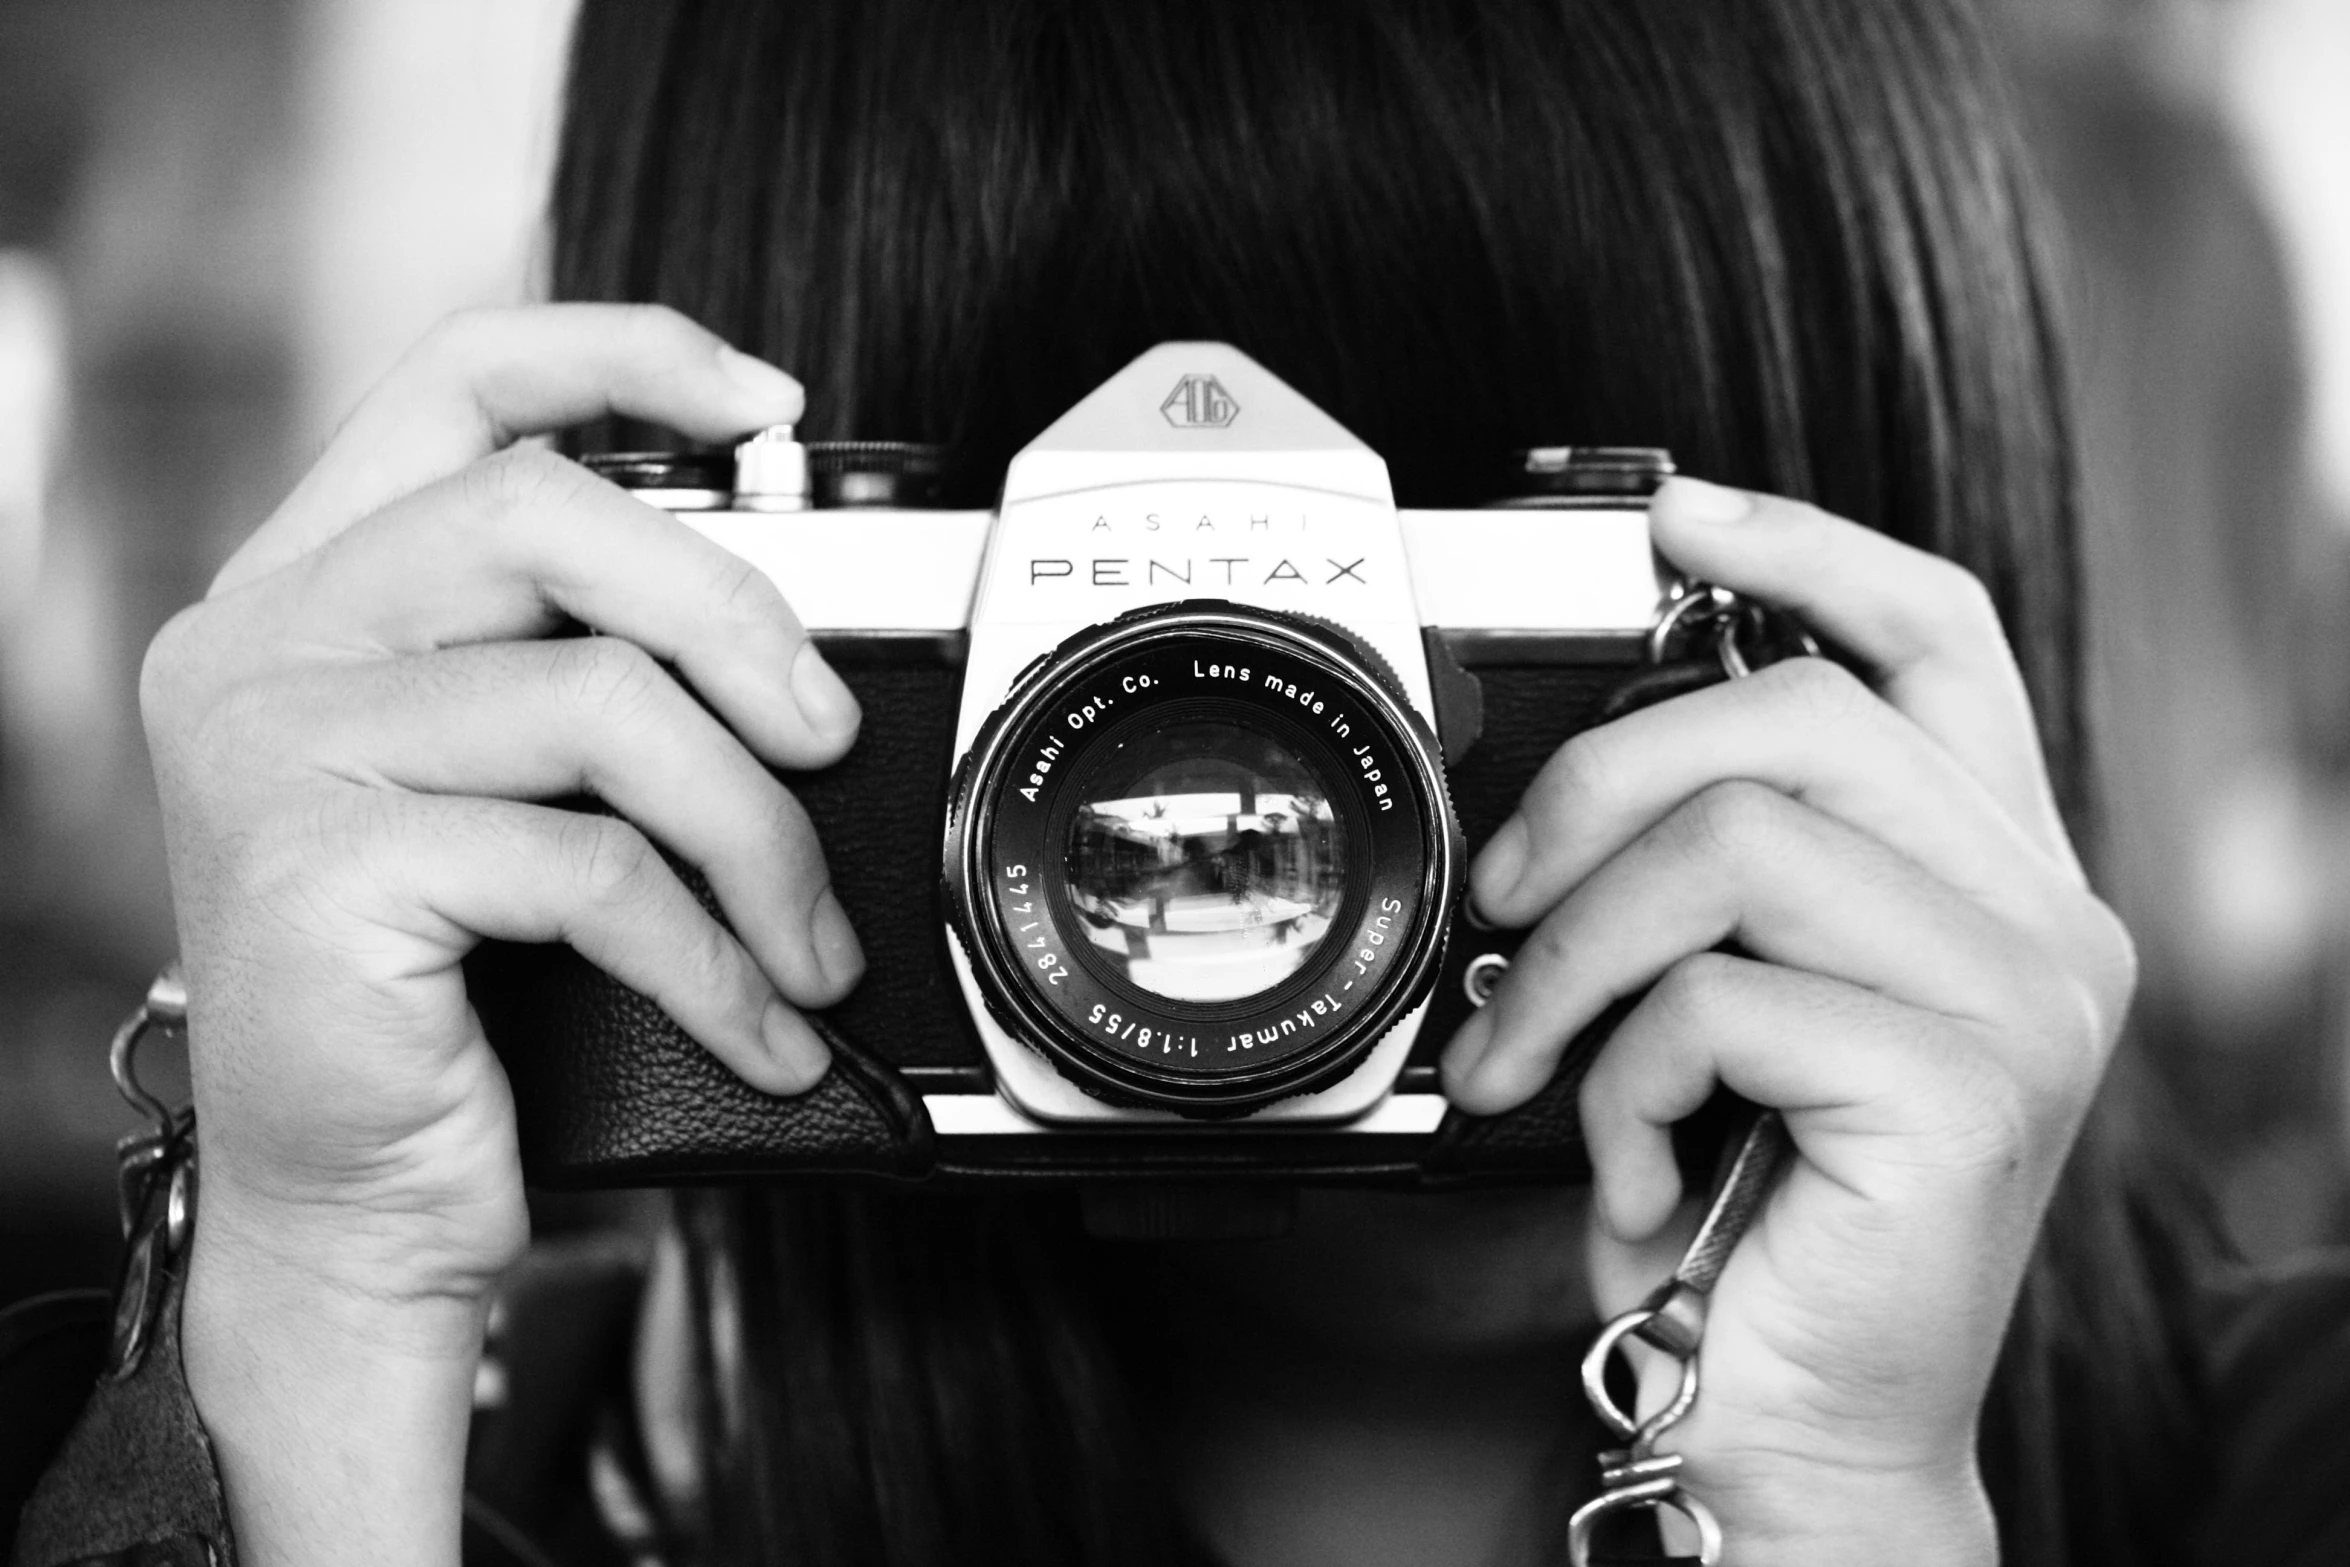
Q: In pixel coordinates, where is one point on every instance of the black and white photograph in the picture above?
(1174, 783)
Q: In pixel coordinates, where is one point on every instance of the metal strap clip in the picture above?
(155, 1174)
(1672, 1321)
(165, 1010)
(1747, 635)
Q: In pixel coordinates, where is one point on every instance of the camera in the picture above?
(1157, 829)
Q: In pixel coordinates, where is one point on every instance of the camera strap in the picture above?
(1635, 1477)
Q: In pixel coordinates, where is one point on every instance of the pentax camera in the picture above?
(1157, 827)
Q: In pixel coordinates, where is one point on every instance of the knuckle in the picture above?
(743, 593)
(1546, 949)
(1731, 818)
(171, 673)
(521, 480)
(1819, 690)
(715, 964)
(2069, 1008)
(2111, 958)
(463, 340)
(1698, 989)
(2082, 1041)
(791, 838)
(1961, 602)
(1997, 1117)
(2058, 1037)
(2088, 1003)
(610, 861)
(613, 682)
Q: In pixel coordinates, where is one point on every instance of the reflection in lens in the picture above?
(1206, 863)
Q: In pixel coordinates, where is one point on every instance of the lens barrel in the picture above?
(1202, 858)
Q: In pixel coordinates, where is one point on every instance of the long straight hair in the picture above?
(1789, 239)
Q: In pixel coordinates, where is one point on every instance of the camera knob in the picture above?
(867, 475)
(1563, 475)
(673, 481)
(771, 471)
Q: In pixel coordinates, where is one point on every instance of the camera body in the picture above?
(1157, 829)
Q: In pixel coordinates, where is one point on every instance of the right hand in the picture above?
(349, 735)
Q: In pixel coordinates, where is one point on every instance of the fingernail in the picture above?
(1499, 869)
(776, 392)
(838, 952)
(793, 1046)
(1694, 500)
(1467, 1050)
(825, 701)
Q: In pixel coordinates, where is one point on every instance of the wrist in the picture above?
(419, 1266)
(339, 1416)
(340, 1297)
(1807, 1515)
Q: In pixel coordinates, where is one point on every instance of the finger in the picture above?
(485, 377)
(527, 542)
(1853, 1073)
(1925, 627)
(597, 716)
(1807, 728)
(460, 871)
(1738, 863)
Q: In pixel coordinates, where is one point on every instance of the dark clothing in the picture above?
(122, 1475)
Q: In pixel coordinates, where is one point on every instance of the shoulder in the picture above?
(2279, 1348)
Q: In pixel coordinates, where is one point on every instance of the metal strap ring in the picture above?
(1587, 1519)
(1595, 1383)
(1692, 598)
(166, 1008)
(1754, 619)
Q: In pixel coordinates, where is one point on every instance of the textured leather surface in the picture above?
(609, 1092)
(881, 813)
(134, 1484)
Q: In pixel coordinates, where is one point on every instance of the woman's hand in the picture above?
(1855, 905)
(349, 736)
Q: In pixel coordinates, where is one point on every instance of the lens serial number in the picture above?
(1022, 919)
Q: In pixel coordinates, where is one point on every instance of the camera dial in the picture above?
(1202, 857)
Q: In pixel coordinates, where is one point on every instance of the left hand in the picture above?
(1924, 986)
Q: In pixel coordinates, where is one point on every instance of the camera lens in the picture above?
(1205, 861)
(1202, 856)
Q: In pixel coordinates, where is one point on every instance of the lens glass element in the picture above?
(1204, 861)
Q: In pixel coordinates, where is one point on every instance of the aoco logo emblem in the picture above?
(1199, 402)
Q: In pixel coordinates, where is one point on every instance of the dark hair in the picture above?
(1788, 239)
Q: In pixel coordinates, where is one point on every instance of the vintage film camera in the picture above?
(1207, 729)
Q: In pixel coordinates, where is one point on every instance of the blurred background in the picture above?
(220, 220)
